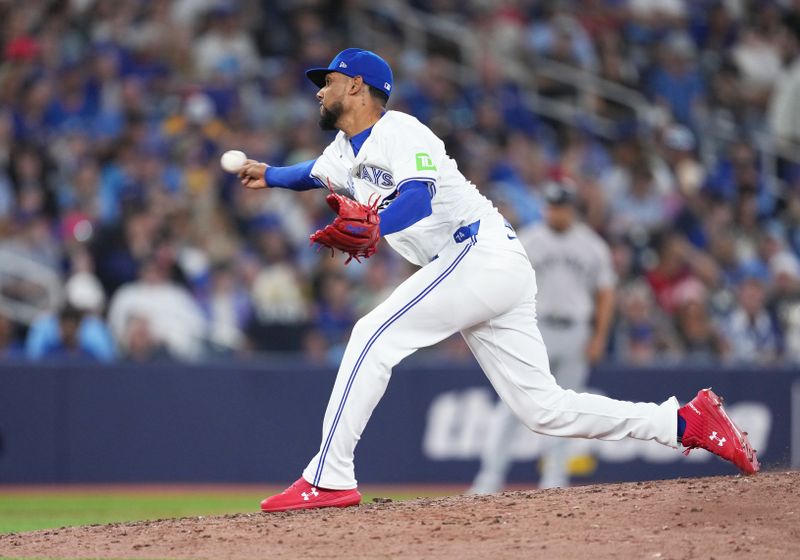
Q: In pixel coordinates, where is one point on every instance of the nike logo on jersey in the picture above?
(511, 233)
(376, 176)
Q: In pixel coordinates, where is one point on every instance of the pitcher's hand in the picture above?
(252, 174)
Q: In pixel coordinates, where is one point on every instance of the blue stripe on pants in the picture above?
(371, 341)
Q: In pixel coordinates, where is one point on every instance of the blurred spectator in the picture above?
(225, 48)
(641, 208)
(722, 246)
(34, 240)
(334, 315)
(783, 106)
(738, 177)
(629, 154)
(280, 316)
(138, 344)
(686, 172)
(114, 114)
(117, 250)
(642, 334)
(715, 31)
(676, 82)
(435, 99)
(751, 331)
(677, 263)
(280, 311)
(174, 317)
(71, 334)
(317, 350)
(493, 90)
(78, 330)
(785, 302)
(559, 35)
(758, 59)
(698, 338)
(228, 309)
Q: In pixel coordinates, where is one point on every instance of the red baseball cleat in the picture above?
(709, 427)
(301, 495)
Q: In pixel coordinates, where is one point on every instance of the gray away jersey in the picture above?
(402, 149)
(570, 267)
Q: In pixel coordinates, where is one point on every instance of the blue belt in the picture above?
(465, 232)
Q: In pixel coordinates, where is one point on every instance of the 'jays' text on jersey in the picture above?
(402, 149)
(570, 267)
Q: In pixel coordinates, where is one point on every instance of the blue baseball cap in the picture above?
(357, 62)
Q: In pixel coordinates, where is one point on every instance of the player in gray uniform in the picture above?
(575, 304)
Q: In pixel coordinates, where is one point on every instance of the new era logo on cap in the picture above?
(356, 62)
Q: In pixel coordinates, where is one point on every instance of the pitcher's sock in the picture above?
(681, 426)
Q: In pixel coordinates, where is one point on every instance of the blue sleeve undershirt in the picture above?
(412, 204)
(296, 177)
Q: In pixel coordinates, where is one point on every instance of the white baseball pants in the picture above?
(485, 288)
(566, 353)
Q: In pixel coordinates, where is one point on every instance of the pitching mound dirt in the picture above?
(720, 517)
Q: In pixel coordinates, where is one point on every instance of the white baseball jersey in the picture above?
(570, 267)
(481, 285)
(398, 150)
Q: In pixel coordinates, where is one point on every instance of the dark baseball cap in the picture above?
(559, 193)
(357, 62)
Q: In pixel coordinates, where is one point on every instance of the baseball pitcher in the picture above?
(390, 176)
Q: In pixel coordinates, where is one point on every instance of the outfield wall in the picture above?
(248, 422)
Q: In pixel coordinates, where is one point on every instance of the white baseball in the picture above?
(232, 161)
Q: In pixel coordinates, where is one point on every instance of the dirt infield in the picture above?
(719, 517)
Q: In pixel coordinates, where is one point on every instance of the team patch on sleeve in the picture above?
(424, 162)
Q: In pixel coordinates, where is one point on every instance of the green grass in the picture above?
(45, 510)
(26, 512)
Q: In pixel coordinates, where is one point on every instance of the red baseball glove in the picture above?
(355, 230)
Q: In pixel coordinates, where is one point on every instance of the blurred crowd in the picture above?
(121, 237)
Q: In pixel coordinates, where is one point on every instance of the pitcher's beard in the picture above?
(329, 117)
